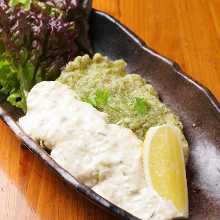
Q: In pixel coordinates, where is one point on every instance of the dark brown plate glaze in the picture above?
(198, 109)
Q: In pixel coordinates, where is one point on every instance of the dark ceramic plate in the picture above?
(197, 107)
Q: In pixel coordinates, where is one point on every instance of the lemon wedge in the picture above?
(164, 166)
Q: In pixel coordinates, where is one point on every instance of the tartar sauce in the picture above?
(105, 157)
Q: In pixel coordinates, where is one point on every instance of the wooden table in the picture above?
(185, 31)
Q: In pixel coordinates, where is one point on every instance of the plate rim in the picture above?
(177, 68)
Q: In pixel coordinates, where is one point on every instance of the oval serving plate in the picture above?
(198, 109)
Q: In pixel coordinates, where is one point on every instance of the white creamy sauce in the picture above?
(104, 156)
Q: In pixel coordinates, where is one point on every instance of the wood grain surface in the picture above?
(185, 31)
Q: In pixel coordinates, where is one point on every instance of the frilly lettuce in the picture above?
(37, 39)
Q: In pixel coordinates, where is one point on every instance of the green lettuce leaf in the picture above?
(9, 85)
(24, 3)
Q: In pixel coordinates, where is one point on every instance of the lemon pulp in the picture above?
(165, 167)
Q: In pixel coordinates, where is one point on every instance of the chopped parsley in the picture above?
(141, 106)
(100, 99)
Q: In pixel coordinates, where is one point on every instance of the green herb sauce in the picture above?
(127, 98)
